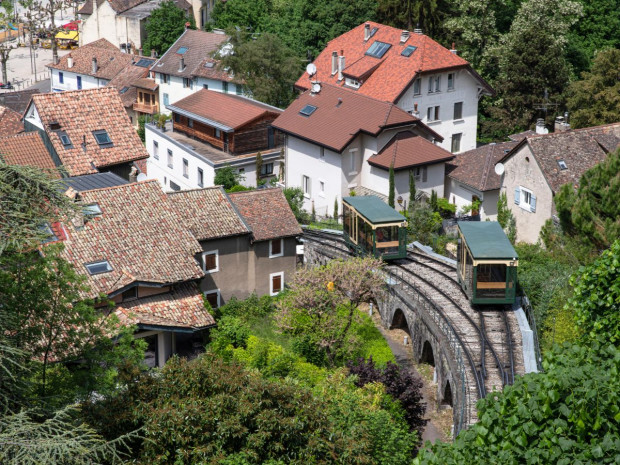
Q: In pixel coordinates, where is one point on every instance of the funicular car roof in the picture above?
(374, 209)
(487, 240)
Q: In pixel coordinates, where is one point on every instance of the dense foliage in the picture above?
(164, 26)
(295, 198)
(228, 177)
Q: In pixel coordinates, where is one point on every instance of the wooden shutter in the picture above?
(276, 283)
(424, 174)
(533, 204)
(517, 195)
(210, 262)
(276, 247)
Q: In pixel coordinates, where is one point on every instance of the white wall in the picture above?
(102, 23)
(465, 90)
(128, 30)
(70, 81)
(175, 90)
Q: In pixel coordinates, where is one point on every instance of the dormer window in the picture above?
(562, 164)
(98, 267)
(378, 49)
(102, 138)
(48, 233)
(307, 110)
(352, 83)
(54, 126)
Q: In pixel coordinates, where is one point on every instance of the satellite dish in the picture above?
(499, 169)
(316, 88)
(311, 69)
(141, 177)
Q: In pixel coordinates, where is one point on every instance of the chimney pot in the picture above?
(540, 126)
(187, 25)
(404, 36)
(340, 65)
(94, 65)
(366, 31)
(153, 54)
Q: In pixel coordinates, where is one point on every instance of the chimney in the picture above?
(540, 127)
(561, 125)
(453, 49)
(366, 31)
(69, 62)
(340, 65)
(181, 64)
(153, 53)
(417, 29)
(187, 25)
(334, 62)
(133, 174)
(415, 111)
(94, 65)
(404, 36)
(140, 51)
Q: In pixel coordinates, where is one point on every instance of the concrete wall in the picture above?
(522, 170)
(465, 90)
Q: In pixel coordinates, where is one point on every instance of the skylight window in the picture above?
(182, 50)
(562, 164)
(378, 49)
(64, 138)
(124, 89)
(373, 31)
(98, 267)
(307, 110)
(48, 233)
(144, 63)
(209, 64)
(102, 138)
(408, 50)
(92, 210)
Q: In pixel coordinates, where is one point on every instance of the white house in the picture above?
(339, 141)
(410, 70)
(208, 131)
(188, 66)
(122, 22)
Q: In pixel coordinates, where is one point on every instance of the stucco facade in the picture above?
(174, 88)
(523, 175)
(66, 80)
(462, 195)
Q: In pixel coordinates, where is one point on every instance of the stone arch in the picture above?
(399, 321)
(427, 354)
(447, 395)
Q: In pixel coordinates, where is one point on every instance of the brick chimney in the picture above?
(366, 31)
(334, 62)
(561, 125)
(340, 65)
(94, 66)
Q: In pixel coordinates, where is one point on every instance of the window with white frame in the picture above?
(201, 177)
(434, 84)
(185, 168)
(432, 113)
(276, 283)
(305, 185)
(451, 81)
(322, 188)
(213, 297)
(156, 150)
(458, 110)
(456, 142)
(353, 161)
(266, 169)
(170, 158)
(276, 248)
(419, 173)
(525, 198)
(210, 261)
(417, 86)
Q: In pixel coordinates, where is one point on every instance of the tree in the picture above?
(164, 26)
(505, 218)
(6, 16)
(391, 188)
(423, 222)
(227, 177)
(295, 198)
(243, 14)
(336, 208)
(266, 66)
(259, 168)
(592, 212)
(282, 172)
(425, 14)
(322, 303)
(595, 99)
(412, 191)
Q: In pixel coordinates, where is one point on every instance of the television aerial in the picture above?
(499, 169)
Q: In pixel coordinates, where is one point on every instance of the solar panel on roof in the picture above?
(144, 63)
(378, 49)
(408, 50)
(307, 110)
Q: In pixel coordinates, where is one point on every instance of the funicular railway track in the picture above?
(485, 336)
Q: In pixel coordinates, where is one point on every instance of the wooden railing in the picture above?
(146, 108)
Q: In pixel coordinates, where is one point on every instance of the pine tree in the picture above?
(259, 167)
(505, 218)
(336, 208)
(392, 189)
(411, 187)
(433, 201)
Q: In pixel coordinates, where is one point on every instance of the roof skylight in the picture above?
(64, 138)
(408, 50)
(144, 63)
(373, 31)
(182, 50)
(102, 138)
(48, 233)
(562, 164)
(92, 210)
(124, 89)
(307, 110)
(378, 49)
(98, 267)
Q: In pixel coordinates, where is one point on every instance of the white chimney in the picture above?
(334, 62)
(94, 65)
(417, 30)
(453, 50)
(561, 125)
(69, 62)
(366, 31)
(153, 53)
(540, 127)
(181, 64)
(340, 65)
(404, 36)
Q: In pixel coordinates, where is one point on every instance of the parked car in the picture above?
(8, 85)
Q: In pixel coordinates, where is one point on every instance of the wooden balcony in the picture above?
(150, 109)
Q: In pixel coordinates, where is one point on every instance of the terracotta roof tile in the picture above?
(18, 101)
(110, 60)
(476, 167)
(209, 69)
(340, 116)
(267, 213)
(138, 233)
(81, 112)
(182, 307)
(123, 5)
(208, 213)
(125, 79)
(27, 149)
(200, 45)
(10, 122)
(146, 83)
(406, 150)
(385, 78)
(233, 111)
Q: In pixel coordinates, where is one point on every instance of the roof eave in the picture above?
(202, 119)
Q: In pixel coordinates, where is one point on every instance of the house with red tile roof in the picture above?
(339, 141)
(189, 66)
(27, 149)
(10, 122)
(209, 130)
(86, 131)
(130, 245)
(410, 70)
(539, 165)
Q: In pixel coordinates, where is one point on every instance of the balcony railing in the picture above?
(150, 109)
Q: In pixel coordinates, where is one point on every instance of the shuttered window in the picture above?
(210, 261)
(277, 283)
(213, 297)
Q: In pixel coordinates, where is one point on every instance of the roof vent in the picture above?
(404, 36)
(366, 31)
(339, 102)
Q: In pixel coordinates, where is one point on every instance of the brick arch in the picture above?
(427, 355)
(399, 320)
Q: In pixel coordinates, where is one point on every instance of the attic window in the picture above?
(378, 49)
(98, 267)
(124, 89)
(408, 50)
(562, 164)
(64, 138)
(48, 233)
(91, 211)
(143, 63)
(182, 50)
(102, 138)
(373, 31)
(307, 110)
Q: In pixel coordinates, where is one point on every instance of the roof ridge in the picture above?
(20, 134)
(185, 191)
(130, 184)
